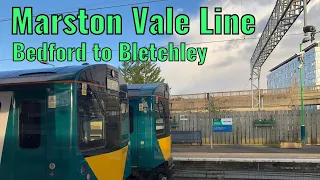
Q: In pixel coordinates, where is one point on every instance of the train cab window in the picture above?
(160, 120)
(30, 125)
(162, 114)
(91, 121)
(124, 121)
(166, 112)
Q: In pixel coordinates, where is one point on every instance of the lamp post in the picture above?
(306, 30)
(303, 128)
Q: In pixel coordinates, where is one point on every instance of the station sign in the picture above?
(222, 125)
(183, 118)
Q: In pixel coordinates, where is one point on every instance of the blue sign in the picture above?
(222, 125)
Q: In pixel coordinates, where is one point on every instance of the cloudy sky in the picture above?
(227, 63)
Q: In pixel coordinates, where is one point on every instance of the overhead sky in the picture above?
(227, 63)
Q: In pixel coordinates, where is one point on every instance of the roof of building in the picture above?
(316, 44)
(147, 89)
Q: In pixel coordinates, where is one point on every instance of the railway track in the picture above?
(246, 171)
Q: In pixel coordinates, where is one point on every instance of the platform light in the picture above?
(310, 28)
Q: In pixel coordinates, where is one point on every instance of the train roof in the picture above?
(147, 89)
(45, 74)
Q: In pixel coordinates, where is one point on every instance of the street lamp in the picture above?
(306, 29)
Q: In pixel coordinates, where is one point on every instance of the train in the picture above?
(151, 139)
(79, 122)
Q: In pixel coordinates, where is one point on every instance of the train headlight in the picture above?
(52, 166)
(83, 170)
(112, 73)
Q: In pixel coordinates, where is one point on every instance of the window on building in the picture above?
(30, 125)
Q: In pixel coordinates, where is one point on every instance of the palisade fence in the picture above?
(286, 128)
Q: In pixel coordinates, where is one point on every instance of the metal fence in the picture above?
(286, 127)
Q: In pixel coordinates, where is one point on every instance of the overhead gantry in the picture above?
(284, 14)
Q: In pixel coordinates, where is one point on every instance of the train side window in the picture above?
(131, 116)
(30, 125)
(0, 106)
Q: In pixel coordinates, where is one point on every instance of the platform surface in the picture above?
(245, 153)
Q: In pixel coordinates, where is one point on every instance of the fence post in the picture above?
(210, 121)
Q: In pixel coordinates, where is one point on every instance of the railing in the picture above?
(307, 89)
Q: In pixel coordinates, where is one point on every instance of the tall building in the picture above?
(287, 73)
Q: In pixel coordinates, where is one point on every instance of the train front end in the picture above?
(64, 123)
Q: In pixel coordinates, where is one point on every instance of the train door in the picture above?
(133, 112)
(30, 160)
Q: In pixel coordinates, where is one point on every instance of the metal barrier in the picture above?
(181, 137)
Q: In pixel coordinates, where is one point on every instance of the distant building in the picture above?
(287, 74)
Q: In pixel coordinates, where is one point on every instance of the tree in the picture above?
(141, 72)
(217, 104)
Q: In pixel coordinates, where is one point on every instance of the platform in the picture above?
(236, 153)
(246, 162)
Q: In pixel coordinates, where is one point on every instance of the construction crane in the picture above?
(284, 14)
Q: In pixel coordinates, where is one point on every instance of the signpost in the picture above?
(222, 125)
